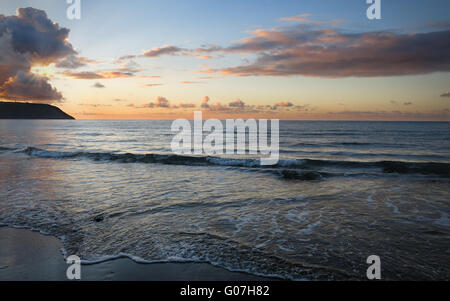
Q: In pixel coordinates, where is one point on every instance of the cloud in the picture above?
(357, 55)
(391, 115)
(304, 108)
(94, 105)
(98, 85)
(190, 82)
(314, 48)
(26, 40)
(218, 107)
(317, 49)
(128, 66)
(83, 75)
(74, 62)
(237, 104)
(396, 103)
(151, 85)
(186, 105)
(205, 102)
(149, 76)
(29, 87)
(168, 50)
(164, 50)
(127, 57)
(160, 102)
(97, 75)
(235, 107)
(303, 18)
(207, 70)
(232, 107)
(447, 94)
(284, 104)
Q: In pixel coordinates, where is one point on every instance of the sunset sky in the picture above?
(249, 59)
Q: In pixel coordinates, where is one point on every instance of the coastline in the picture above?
(27, 255)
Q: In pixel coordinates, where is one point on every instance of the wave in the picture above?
(3, 149)
(287, 169)
(401, 167)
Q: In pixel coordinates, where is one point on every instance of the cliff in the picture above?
(17, 110)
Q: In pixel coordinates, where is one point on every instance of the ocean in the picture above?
(341, 191)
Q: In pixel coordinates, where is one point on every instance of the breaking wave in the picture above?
(285, 168)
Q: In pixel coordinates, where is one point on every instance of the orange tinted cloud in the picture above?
(97, 75)
(190, 82)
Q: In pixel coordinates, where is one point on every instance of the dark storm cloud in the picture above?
(29, 39)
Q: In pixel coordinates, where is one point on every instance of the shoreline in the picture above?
(28, 255)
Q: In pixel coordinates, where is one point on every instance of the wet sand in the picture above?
(30, 256)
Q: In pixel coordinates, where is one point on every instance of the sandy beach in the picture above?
(30, 256)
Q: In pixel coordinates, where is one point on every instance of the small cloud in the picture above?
(185, 105)
(97, 75)
(237, 104)
(74, 62)
(305, 108)
(218, 107)
(149, 76)
(151, 85)
(206, 70)
(205, 101)
(127, 57)
(445, 94)
(190, 82)
(165, 50)
(94, 105)
(407, 103)
(98, 85)
(303, 18)
(160, 102)
(284, 104)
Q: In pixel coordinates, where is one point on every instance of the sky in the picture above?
(298, 60)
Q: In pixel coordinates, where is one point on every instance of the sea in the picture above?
(340, 192)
